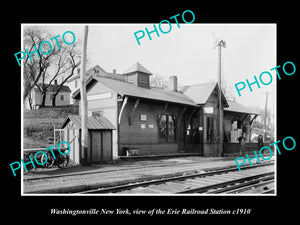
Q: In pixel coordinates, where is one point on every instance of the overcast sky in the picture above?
(187, 52)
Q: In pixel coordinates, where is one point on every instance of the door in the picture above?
(106, 146)
(96, 146)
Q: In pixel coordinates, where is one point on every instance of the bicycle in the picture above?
(60, 160)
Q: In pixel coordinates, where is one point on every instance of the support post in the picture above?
(84, 130)
(220, 114)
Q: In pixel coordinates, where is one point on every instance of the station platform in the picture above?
(78, 178)
(161, 156)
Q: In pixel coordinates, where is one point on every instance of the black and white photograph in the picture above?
(161, 113)
(128, 112)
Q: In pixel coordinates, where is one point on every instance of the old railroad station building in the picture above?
(144, 120)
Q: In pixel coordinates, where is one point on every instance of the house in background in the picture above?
(74, 82)
(62, 98)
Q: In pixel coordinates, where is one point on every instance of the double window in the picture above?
(167, 128)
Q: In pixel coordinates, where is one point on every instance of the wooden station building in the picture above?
(157, 121)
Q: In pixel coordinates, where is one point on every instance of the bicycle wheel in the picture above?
(62, 161)
(50, 160)
(26, 159)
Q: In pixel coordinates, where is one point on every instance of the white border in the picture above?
(173, 195)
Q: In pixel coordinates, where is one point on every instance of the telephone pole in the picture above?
(84, 130)
(266, 114)
(220, 44)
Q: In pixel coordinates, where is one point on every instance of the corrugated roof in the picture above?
(236, 107)
(93, 123)
(125, 88)
(137, 67)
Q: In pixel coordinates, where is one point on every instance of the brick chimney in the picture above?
(114, 71)
(55, 82)
(172, 85)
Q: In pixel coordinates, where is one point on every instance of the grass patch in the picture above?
(38, 124)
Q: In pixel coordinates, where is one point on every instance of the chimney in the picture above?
(78, 70)
(114, 71)
(172, 85)
(55, 82)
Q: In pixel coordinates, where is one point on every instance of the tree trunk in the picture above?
(54, 99)
(44, 94)
(29, 102)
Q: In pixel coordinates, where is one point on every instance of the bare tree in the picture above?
(40, 72)
(68, 61)
(227, 91)
(158, 81)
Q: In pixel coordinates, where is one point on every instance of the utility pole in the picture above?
(266, 114)
(220, 44)
(84, 130)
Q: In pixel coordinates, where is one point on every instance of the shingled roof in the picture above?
(124, 88)
(137, 67)
(237, 107)
(200, 93)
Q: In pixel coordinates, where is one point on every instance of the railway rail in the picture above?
(252, 179)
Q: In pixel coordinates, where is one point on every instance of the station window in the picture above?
(167, 128)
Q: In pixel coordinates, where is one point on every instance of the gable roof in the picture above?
(55, 87)
(93, 123)
(124, 88)
(92, 72)
(200, 93)
(89, 72)
(237, 107)
(137, 67)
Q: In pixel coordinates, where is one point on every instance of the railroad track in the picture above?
(256, 179)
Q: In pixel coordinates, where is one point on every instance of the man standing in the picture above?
(241, 140)
(260, 141)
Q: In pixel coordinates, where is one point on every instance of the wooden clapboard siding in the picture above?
(151, 149)
(146, 139)
(138, 79)
(109, 108)
(143, 80)
(132, 78)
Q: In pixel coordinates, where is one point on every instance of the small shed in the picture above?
(99, 138)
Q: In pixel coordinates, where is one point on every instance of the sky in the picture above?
(187, 52)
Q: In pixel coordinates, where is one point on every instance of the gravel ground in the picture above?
(78, 178)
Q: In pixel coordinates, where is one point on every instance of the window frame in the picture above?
(167, 128)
